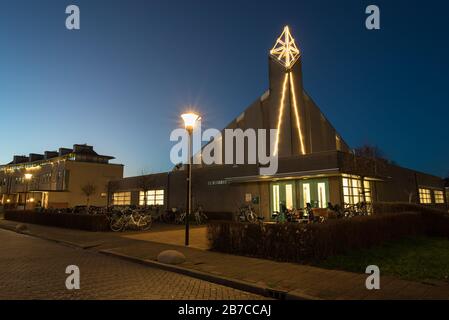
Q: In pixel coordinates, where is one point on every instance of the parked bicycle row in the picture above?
(246, 213)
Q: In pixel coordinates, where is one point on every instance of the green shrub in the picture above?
(313, 242)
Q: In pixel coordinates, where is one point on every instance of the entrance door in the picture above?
(322, 199)
(275, 205)
(305, 194)
(314, 191)
(285, 193)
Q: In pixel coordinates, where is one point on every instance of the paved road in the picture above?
(32, 268)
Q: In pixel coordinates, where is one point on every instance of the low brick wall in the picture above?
(96, 222)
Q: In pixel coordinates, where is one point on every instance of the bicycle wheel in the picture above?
(116, 224)
(145, 223)
(251, 217)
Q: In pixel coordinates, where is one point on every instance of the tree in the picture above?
(88, 190)
(370, 151)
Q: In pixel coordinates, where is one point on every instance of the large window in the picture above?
(121, 198)
(276, 196)
(353, 192)
(322, 202)
(154, 198)
(439, 196)
(424, 196)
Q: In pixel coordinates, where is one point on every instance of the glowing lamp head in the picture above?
(190, 120)
(32, 200)
(28, 176)
(8, 200)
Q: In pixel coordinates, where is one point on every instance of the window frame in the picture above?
(425, 195)
(122, 198)
(155, 197)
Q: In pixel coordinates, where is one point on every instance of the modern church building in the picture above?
(315, 164)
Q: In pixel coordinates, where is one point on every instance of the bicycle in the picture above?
(200, 216)
(137, 218)
(246, 214)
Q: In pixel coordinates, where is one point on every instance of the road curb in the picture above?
(228, 282)
(28, 233)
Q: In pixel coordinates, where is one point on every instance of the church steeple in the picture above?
(290, 119)
(285, 50)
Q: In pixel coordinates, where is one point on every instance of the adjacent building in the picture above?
(316, 165)
(56, 179)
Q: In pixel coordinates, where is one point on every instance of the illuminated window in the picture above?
(289, 196)
(322, 202)
(367, 187)
(439, 196)
(353, 192)
(424, 196)
(276, 207)
(154, 198)
(305, 194)
(121, 198)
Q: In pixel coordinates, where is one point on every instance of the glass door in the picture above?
(322, 199)
(305, 194)
(283, 193)
(313, 191)
(276, 196)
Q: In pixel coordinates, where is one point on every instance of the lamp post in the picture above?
(189, 121)
(28, 177)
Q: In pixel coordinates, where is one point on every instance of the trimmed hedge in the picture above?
(222, 216)
(395, 207)
(313, 242)
(87, 222)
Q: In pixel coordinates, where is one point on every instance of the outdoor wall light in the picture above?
(28, 176)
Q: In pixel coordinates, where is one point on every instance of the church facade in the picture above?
(315, 164)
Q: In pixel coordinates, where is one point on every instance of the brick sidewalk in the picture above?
(292, 280)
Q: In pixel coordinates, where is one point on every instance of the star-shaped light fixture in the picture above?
(285, 50)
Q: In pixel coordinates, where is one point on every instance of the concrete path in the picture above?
(281, 280)
(175, 235)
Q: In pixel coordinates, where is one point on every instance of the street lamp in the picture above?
(190, 120)
(28, 177)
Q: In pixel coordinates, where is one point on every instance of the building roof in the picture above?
(79, 152)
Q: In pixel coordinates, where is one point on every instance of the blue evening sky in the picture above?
(121, 81)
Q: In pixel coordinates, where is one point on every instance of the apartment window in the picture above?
(353, 192)
(154, 198)
(439, 196)
(367, 188)
(121, 198)
(424, 196)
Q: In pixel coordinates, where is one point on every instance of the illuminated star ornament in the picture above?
(287, 53)
(285, 50)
